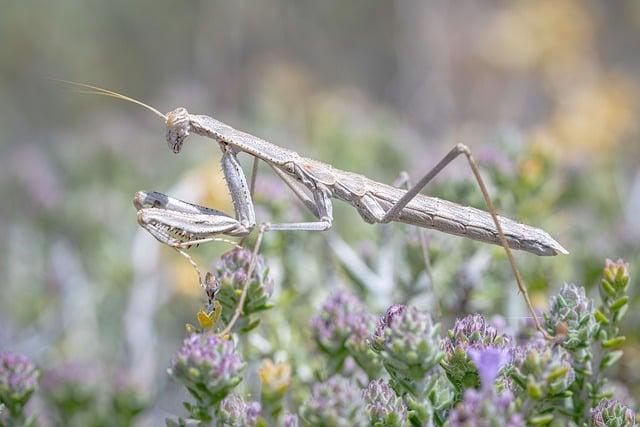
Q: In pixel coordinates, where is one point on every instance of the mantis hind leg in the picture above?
(459, 149)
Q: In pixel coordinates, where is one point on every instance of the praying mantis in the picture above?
(181, 224)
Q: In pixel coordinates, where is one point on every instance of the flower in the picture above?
(613, 290)
(234, 411)
(275, 378)
(18, 380)
(571, 318)
(291, 420)
(472, 333)
(386, 319)
(616, 271)
(486, 409)
(208, 366)
(488, 361)
(383, 405)
(231, 274)
(358, 344)
(339, 315)
(335, 402)
(408, 342)
(612, 413)
(544, 370)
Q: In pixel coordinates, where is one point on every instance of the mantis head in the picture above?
(177, 128)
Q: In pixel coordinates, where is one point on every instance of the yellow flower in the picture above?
(275, 378)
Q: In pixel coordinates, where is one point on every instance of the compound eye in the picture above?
(177, 128)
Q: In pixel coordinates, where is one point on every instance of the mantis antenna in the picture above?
(95, 90)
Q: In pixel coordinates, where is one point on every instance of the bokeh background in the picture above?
(545, 92)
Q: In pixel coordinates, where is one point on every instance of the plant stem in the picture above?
(245, 286)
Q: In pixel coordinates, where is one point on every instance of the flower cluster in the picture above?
(473, 376)
(275, 379)
(485, 407)
(335, 402)
(234, 411)
(478, 409)
(408, 342)
(472, 332)
(339, 316)
(232, 276)
(571, 315)
(291, 420)
(18, 380)
(384, 407)
(612, 413)
(545, 371)
(209, 367)
(358, 344)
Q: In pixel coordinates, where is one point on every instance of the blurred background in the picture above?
(545, 92)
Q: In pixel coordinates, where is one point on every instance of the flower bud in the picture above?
(232, 275)
(208, 366)
(335, 402)
(408, 342)
(612, 413)
(385, 408)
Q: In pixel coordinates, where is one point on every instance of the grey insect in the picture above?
(180, 224)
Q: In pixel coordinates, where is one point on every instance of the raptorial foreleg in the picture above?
(181, 224)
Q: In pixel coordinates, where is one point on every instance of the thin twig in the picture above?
(245, 286)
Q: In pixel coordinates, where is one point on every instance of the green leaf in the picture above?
(610, 359)
(601, 318)
(533, 390)
(614, 342)
(608, 288)
(619, 303)
(251, 326)
(541, 420)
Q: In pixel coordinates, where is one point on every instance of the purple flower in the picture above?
(486, 409)
(489, 361)
(358, 344)
(291, 420)
(572, 313)
(408, 342)
(208, 364)
(612, 413)
(474, 331)
(335, 402)
(18, 380)
(383, 405)
(386, 319)
(546, 368)
(340, 315)
(231, 274)
(235, 411)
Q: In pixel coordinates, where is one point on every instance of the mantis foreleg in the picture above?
(180, 224)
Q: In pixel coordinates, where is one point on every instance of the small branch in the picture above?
(245, 287)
